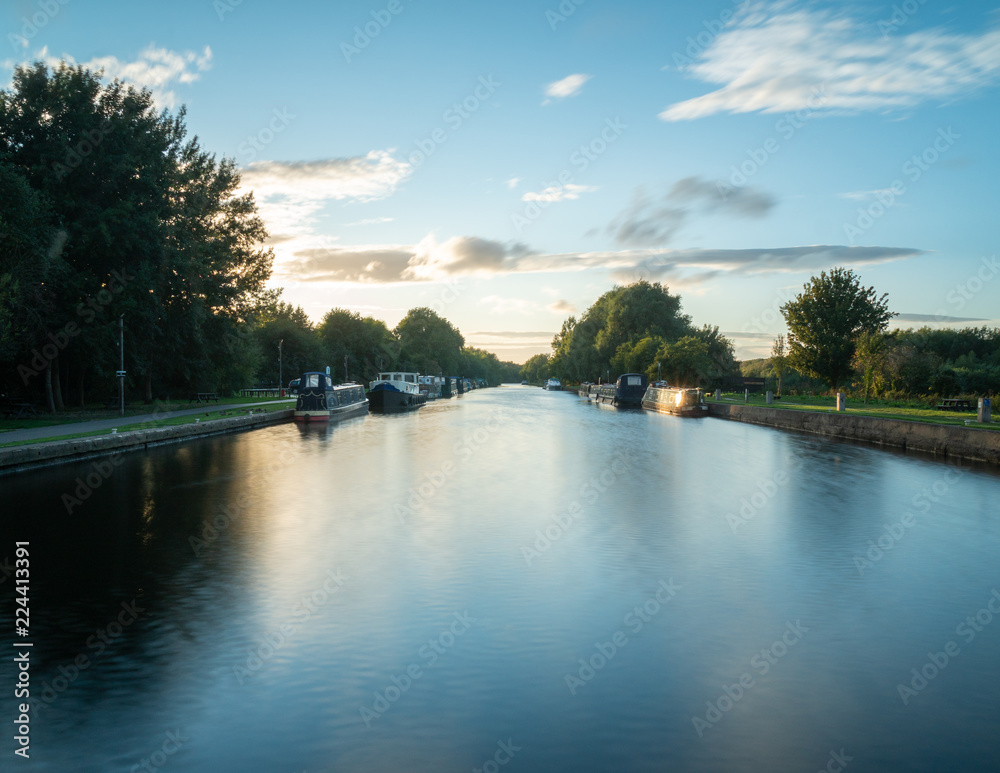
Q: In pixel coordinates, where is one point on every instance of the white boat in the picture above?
(396, 391)
(553, 385)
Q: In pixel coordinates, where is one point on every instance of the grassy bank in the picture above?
(197, 418)
(895, 409)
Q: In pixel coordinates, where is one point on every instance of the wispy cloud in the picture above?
(652, 222)
(567, 87)
(770, 59)
(289, 194)
(561, 307)
(935, 318)
(512, 182)
(430, 260)
(558, 192)
(157, 69)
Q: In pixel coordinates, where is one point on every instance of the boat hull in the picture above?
(331, 414)
(679, 402)
(390, 400)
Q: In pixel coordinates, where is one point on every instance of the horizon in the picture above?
(510, 176)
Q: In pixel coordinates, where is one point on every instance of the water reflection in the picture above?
(289, 577)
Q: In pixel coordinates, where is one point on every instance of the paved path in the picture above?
(57, 430)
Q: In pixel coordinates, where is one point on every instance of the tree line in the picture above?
(636, 328)
(112, 218)
(839, 339)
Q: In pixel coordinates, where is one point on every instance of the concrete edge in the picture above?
(43, 454)
(981, 445)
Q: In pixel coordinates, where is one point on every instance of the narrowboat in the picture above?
(319, 400)
(675, 400)
(626, 392)
(396, 391)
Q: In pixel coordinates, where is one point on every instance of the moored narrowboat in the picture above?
(319, 400)
(396, 391)
(627, 391)
(676, 400)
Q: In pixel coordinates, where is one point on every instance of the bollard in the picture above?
(769, 396)
(718, 394)
(746, 395)
(841, 401)
(984, 410)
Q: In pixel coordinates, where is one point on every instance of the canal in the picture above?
(512, 579)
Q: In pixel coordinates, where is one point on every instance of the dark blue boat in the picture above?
(626, 392)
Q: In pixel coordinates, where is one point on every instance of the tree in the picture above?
(366, 342)
(536, 369)
(869, 358)
(825, 320)
(428, 343)
(684, 363)
(779, 361)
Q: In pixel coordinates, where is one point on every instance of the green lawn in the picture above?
(201, 418)
(907, 411)
(97, 412)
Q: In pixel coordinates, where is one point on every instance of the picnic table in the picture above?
(204, 397)
(956, 405)
(19, 410)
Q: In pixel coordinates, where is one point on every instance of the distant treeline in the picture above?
(109, 213)
(629, 330)
(911, 363)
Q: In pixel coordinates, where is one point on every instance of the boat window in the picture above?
(635, 380)
(409, 378)
(312, 380)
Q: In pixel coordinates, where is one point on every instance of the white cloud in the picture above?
(156, 69)
(289, 194)
(512, 182)
(561, 307)
(499, 305)
(769, 59)
(567, 87)
(430, 260)
(558, 192)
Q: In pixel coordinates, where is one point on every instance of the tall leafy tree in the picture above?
(367, 344)
(825, 320)
(428, 343)
(779, 359)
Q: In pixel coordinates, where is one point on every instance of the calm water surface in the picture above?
(514, 576)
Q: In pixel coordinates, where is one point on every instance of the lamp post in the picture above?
(658, 371)
(121, 368)
(281, 382)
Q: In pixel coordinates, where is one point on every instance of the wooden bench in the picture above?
(956, 405)
(204, 397)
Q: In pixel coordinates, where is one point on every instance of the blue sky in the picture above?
(507, 163)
